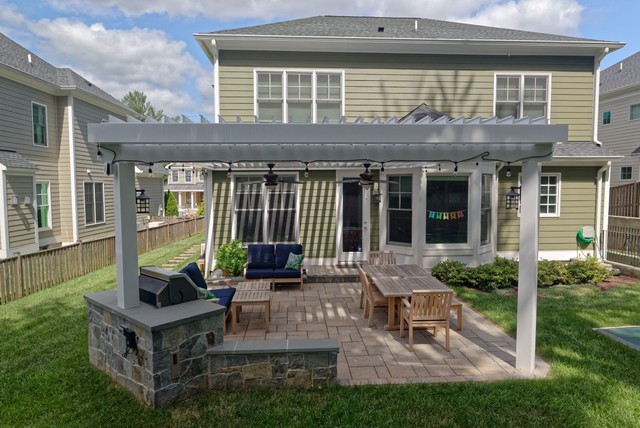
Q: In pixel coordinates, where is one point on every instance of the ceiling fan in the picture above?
(271, 179)
(366, 178)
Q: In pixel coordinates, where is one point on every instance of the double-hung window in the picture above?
(39, 119)
(43, 204)
(93, 203)
(299, 96)
(520, 95)
(399, 206)
(187, 176)
(626, 172)
(265, 214)
(634, 112)
(174, 176)
(606, 117)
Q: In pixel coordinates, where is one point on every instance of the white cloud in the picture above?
(559, 16)
(120, 61)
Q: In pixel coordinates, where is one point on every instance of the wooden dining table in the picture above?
(397, 281)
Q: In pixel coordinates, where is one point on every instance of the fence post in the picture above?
(20, 289)
(80, 258)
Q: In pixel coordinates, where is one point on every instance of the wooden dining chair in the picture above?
(382, 258)
(427, 309)
(372, 297)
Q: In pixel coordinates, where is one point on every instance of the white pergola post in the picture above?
(209, 223)
(528, 273)
(126, 235)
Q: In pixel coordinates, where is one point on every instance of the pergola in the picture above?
(123, 144)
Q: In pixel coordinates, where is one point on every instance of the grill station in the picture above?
(162, 287)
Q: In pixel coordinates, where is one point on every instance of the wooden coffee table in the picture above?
(248, 298)
(254, 286)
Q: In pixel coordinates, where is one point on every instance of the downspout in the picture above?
(72, 169)
(596, 95)
(602, 207)
(216, 81)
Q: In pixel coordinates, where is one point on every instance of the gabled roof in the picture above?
(17, 58)
(396, 35)
(621, 75)
(391, 28)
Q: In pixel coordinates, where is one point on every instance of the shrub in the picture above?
(170, 205)
(503, 273)
(451, 272)
(552, 272)
(200, 212)
(587, 271)
(231, 258)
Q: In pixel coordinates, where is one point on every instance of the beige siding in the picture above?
(392, 85)
(621, 134)
(21, 217)
(85, 156)
(153, 189)
(222, 208)
(577, 209)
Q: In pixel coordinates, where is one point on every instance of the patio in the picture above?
(479, 352)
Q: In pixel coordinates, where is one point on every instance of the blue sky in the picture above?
(126, 45)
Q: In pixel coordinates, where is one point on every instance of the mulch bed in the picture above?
(614, 281)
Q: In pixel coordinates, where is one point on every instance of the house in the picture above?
(186, 183)
(620, 117)
(53, 188)
(337, 69)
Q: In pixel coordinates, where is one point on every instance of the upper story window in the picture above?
(399, 207)
(606, 117)
(625, 172)
(174, 176)
(299, 96)
(187, 176)
(39, 118)
(520, 95)
(634, 112)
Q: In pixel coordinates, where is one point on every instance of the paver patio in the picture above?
(479, 352)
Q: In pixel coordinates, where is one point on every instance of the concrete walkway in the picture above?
(479, 352)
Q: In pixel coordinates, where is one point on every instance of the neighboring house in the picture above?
(53, 189)
(332, 68)
(186, 182)
(620, 117)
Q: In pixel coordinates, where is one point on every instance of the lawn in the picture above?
(46, 378)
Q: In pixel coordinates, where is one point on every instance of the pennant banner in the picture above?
(442, 215)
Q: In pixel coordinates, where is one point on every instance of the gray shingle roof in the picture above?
(392, 28)
(617, 76)
(13, 160)
(185, 187)
(16, 57)
(583, 149)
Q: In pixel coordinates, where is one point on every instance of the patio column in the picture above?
(208, 221)
(528, 273)
(126, 235)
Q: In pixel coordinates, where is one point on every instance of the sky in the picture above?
(148, 45)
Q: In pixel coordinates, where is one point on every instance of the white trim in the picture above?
(630, 175)
(84, 198)
(215, 59)
(558, 195)
(72, 170)
(4, 215)
(521, 75)
(46, 124)
(342, 256)
(560, 255)
(49, 205)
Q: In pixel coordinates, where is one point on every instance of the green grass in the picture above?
(46, 379)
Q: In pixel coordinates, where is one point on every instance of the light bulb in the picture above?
(455, 169)
(508, 173)
(306, 174)
(99, 155)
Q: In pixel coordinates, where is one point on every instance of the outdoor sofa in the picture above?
(279, 263)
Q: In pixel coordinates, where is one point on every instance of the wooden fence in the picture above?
(25, 274)
(624, 200)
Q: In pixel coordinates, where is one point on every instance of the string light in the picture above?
(455, 168)
(306, 170)
(229, 171)
(508, 173)
(151, 168)
(99, 154)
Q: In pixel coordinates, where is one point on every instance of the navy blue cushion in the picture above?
(282, 253)
(259, 273)
(260, 256)
(286, 273)
(193, 272)
(225, 295)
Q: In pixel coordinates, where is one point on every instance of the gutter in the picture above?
(596, 94)
(72, 169)
(602, 207)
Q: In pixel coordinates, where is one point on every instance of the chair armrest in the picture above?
(406, 302)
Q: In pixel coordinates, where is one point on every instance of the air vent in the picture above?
(380, 29)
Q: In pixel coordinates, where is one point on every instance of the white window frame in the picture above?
(265, 204)
(521, 76)
(314, 101)
(603, 116)
(558, 195)
(630, 170)
(176, 178)
(390, 176)
(190, 171)
(104, 213)
(46, 125)
(637, 105)
(48, 185)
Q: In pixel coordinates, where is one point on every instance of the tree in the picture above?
(137, 101)
(170, 205)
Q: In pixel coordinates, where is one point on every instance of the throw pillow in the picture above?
(294, 261)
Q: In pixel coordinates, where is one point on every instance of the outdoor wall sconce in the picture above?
(377, 196)
(14, 200)
(142, 202)
(513, 198)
